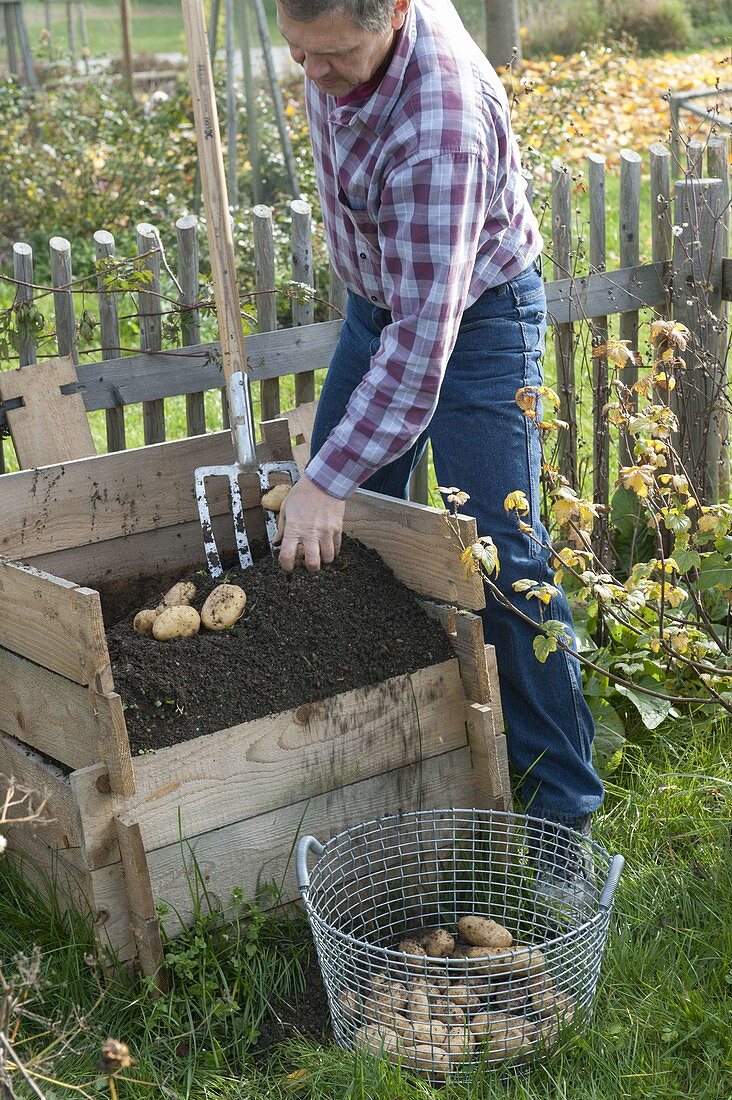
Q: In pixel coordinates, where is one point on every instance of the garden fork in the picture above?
(226, 294)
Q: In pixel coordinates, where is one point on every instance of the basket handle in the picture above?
(305, 845)
(611, 883)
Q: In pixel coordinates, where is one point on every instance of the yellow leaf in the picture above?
(517, 502)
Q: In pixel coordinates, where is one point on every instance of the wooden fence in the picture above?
(688, 274)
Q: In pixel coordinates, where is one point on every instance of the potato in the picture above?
(143, 622)
(502, 1034)
(438, 943)
(459, 1043)
(498, 961)
(274, 498)
(465, 995)
(383, 998)
(377, 1040)
(432, 1033)
(483, 932)
(176, 622)
(544, 999)
(411, 947)
(180, 595)
(508, 996)
(223, 607)
(350, 1004)
(419, 1007)
(427, 1058)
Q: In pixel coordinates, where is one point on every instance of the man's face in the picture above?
(335, 53)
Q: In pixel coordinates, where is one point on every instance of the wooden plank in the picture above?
(251, 853)
(53, 622)
(608, 292)
(264, 284)
(63, 297)
(72, 724)
(47, 781)
(486, 768)
(303, 312)
(629, 233)
(98, 896)
(104, 245)
(564, 333)
(149, 309)
(494, 688)
(190, 318)
(727, 280)
(415, 542)
(298, 754)
(600, 380)
(94, 499)
(151, 376)
(95, 813)
(300, 421)
(23, 275)
(50, 426)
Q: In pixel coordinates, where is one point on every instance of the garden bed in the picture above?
(221, 811)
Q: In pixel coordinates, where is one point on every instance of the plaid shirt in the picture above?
(424, 207)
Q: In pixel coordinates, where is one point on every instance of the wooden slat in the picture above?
(297, 754)
(303, 312)
(190, 320)
(62, 719)
(54, 623)
(148, 377)
(251, 853)
(47, 781)
(63, 298)
(600, 381)
(95, 499)
(23, 275)
(629, 233)
(264, 285)
(151, 327)
(486, 768)
(98, 895)
(95, 811)
(622, 291)
(415, 543)
(51, 426)
(104, 245)
(564, 333)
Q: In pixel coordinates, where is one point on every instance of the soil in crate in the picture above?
(303, 637)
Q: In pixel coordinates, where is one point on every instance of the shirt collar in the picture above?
(374, 113)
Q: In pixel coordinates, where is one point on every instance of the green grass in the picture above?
(663, 1022)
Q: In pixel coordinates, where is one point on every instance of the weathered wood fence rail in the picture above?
(688, 276)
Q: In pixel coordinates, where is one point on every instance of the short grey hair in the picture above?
(370, 15)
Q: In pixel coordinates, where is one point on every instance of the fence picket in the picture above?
(629, 230)
(109, 332)
(718, 168)
(190, 318)
(600, 384)
(697, 299)
(23, 273)
(151, 329)
(337, 294)
(661, 236)
(564, 334)
(264, 285)
(63, 298)
(302, 272)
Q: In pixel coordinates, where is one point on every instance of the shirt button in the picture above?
(374, 298)
(362, 255)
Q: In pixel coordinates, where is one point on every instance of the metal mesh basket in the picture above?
(394, 879)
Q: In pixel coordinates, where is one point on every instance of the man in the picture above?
(427, 222)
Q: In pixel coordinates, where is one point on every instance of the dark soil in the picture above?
(309, 1015)
(303, 637)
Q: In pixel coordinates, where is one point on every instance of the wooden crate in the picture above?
(126, 832)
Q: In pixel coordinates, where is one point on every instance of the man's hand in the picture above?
(311, 517)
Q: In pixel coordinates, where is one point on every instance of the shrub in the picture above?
(653, 24)
(553, 26)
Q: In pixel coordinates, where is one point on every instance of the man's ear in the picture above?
(399, 13)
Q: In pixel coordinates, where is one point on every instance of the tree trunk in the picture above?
(503, 42)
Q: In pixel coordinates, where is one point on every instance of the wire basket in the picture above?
(381, 894)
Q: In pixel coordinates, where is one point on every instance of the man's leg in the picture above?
(483, 443)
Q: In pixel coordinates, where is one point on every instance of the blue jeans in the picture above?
(483, 443)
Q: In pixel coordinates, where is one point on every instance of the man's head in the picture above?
(340, 43)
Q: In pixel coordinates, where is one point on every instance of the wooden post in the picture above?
(600, 384)
(190, 318)
(697, 300)
(302, 272)
(279, 109)
(718, 166)
(630, 181)
(109, 329)
(264, 283)
(564, 334)
(23, 274)
(674, 103)
(73, 49)
(695, 158)
(83, 28)
(63, 298)
(661, 237)
(151, 330)
(127, 56)
(337, 293)
(250, 93)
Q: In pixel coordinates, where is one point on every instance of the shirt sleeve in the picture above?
(431, 216)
